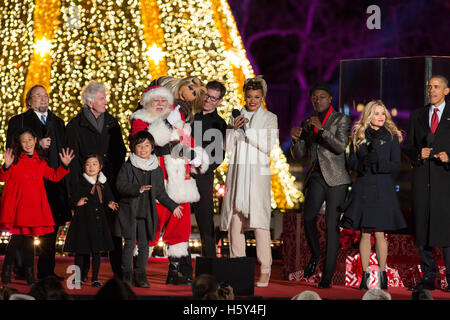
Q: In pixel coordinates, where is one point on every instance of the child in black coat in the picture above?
(140, 183)
(89, 232)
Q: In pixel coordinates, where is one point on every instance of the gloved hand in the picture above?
(174, 116)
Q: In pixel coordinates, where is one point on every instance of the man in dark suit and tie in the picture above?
(50, 131)
(325, 135)
(427, 145)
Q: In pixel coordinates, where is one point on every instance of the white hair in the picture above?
(148, 96)
(90, 90)
(376, 294)
(307, 295)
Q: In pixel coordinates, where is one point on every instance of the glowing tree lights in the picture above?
(63, 44)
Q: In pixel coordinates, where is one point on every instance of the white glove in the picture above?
(174, 116)
(197, 161)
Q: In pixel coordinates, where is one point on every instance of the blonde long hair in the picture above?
(358, 134)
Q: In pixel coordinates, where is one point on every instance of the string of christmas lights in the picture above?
(16, 47)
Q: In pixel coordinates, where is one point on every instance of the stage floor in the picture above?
(157, 270)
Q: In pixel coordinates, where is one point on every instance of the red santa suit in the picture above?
(180, 186)
(24, 207)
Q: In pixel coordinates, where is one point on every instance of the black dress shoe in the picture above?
(310, 268)
(324, 284)
(422, 285)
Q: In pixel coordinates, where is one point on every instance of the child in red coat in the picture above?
(24, 208)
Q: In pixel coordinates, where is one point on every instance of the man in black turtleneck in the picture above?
(325, 135)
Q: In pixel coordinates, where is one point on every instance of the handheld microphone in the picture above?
(236, 113)
(314, 114)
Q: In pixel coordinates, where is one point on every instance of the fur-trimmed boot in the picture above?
(175, 275)
(186, 267)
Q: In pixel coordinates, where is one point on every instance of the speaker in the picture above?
(239, 273)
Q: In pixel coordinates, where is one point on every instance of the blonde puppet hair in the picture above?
(359, 129)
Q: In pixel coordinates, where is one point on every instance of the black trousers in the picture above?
(23, 246)
(46, 261)
(204, 213)
(83, 262)
(428, 264)
(317, 191)
(115, 257)
(143, 249)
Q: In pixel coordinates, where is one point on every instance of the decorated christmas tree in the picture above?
(62, 44)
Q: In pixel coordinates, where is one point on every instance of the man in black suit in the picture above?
(427, 145)
(324, 136)
(50, 131)
(209, 128)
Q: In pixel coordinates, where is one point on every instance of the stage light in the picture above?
(394, 112)
(37, 241)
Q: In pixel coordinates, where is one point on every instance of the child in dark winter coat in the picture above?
(89, 232)
(140, 183)
(24, 208)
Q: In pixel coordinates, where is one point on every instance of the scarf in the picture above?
(151, 164)
(376, 136)
(96, 185)
(97, 123)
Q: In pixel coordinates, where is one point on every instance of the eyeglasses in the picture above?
(213, 99)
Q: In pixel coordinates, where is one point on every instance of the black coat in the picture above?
(129, 181)
(373, 204)
(55, 129)
(431, 208)
(84, 139)
(89, 231)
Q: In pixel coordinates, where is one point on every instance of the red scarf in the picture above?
(330, 109)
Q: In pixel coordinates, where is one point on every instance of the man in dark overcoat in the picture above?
(95, 131)
(427, 145)
(50, 131)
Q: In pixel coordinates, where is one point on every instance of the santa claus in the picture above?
(178, 157)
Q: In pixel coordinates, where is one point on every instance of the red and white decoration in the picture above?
(353, 272)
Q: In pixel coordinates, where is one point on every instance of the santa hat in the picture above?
(156, 91)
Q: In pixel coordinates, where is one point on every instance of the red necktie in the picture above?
(434, 121)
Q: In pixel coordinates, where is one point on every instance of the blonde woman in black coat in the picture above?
(373, 205)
